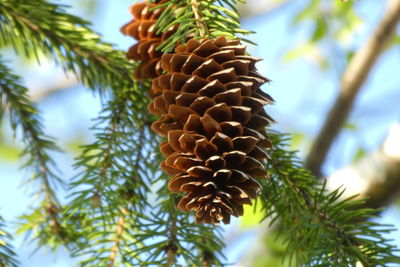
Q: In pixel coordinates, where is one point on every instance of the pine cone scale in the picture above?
(142, 28)
(211, 109)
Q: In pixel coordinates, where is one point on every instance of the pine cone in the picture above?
(141, 28)
(211, 109)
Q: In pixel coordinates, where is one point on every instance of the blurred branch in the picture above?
(257, 7)
(352, 80)
(24, 115)
(37, 26)
(8, 258)
(376, 176)
(37, 94)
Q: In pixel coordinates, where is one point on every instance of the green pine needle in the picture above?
(37, 26)
(199, 19)
(321, 229)
(7, 254)
(120, 211)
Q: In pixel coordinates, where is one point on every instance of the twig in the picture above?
(170, 257)
(172, 248)
(91, 58)
(37, 152)
(376, 176)
(203, 29)
(120, 230)
(67, 43)
(314, 207)
(352, 81)
(52, 208)
(208, 258)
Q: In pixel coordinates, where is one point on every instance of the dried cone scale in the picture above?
(211, 109)
(141, 28)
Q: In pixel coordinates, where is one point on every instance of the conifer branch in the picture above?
(120, 229)
(117, 213)
(292, 194)
(113, 176)
(199, 19)
(98, 159)
(170, 235)
(208, 258)
(45, 28)
(106, 164)
(7, 254)
(171, 247)
(23, 114)
(206, 262)
(320, 228)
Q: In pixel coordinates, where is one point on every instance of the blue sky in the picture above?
(303, 94)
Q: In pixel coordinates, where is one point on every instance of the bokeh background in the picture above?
(305, 44)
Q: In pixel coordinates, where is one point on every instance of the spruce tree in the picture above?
(121, 210)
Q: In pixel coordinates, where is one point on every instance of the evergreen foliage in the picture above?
(120, 212)
(38, 27)
(125, 211)
(319, 228)
(7, 255)
(24, 115)
(199, 19)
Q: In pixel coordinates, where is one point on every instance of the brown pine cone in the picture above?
(141, 28)
(211, 109)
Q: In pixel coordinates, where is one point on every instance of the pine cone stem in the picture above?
(170, 258)
(203, 29)
(120, 230)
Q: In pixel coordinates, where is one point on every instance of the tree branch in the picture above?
(352, 80)
(172, 247)
(376, 176)
(23, 114)
(120, 230)
(65, 38)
